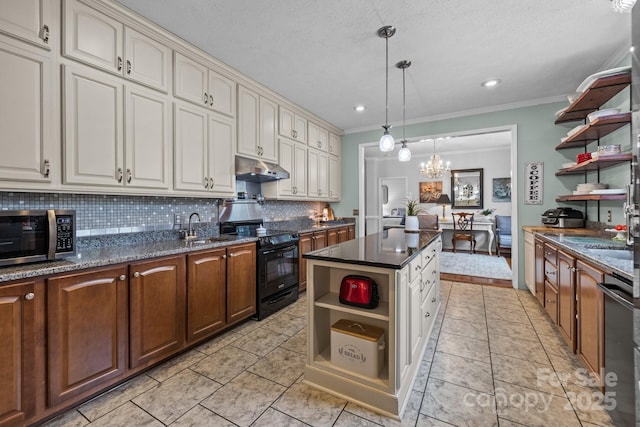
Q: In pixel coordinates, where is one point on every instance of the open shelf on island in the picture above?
(382, 382)
(595, 130)
(331, 301)
(596, 164)
(600, 91)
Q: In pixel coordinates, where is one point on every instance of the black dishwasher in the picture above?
(618, 348)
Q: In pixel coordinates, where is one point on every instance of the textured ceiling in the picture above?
(326, 57)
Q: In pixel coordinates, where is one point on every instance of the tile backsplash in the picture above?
(111, 214)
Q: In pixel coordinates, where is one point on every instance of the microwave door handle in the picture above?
(53, 235)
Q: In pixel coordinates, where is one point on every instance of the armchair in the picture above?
(503, 234)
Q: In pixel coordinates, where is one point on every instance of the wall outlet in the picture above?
(177, 219)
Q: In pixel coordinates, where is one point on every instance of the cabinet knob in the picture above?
(224, 257)
(45, 33)
(550, 301)
(122, 277)
(211, 183)
(427, 314)
(211, 100)
(136, 274)
(128, 67)
(46, 168)
(119, 174)
(129, 176)
(206, 183)
(433, 299)
(119, 63)
(29, 296)
(206, 98)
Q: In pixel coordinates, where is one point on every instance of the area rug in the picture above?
(478, 265)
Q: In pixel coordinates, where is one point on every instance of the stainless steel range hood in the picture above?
(252, 170)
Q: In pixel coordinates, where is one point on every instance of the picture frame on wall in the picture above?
(429, 191)
(501, 190)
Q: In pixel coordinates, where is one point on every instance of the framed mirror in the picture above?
(466, 188)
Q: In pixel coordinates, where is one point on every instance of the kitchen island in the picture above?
(405, 268)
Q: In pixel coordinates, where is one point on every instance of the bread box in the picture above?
(357, 347)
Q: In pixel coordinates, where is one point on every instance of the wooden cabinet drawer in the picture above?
(551, 302)
(551, 272)
(550, 253)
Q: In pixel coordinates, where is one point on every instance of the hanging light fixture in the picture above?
(435, 167)
(404, 155)
(386, 142)
(622, 6)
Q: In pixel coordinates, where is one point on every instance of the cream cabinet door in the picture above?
(317, 183)
(318, 137)
(93, 128)
(25, 116)
(286, 156)
(334, 144)
(190, 80)
(292, 125)
(403, 314)
(28, 20)
(148, 140)
(334, 177)
(415, 316)
(222, 174)
(191, 148)
(248, 115)
(299, 172)
(146, 61)
(300, 128)
(268, 140)
(91, 37)
(222, 94)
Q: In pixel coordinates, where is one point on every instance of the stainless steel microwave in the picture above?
(36, 235)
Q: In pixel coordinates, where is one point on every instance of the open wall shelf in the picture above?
(595, 164)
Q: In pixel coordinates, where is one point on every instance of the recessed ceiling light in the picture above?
(490, 83)
(359, 108)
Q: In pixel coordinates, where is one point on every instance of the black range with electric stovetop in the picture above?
(277, 255)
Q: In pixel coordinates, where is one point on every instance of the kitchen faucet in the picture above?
(191, 233)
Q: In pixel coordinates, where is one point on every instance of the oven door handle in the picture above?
(285, 249)
(280, 298)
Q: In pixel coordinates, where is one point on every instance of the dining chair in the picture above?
(463, 230)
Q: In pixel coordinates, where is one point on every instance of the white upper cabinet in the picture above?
(334, 177)
(334, 144)
(204, 150)
(293, 158)
(97, 149)
(93, 128)
(25, 118)
(292, 125)
(198, 84)
(318, 137)
(146, 61)
(317, 173)
(98, 40)
(27, 20)
(148, 142)
(257, 122)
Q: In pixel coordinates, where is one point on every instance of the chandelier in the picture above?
(435, 167)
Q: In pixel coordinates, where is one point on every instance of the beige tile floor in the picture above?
(493, 359)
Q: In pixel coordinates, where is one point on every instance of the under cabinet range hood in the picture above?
(252, 170)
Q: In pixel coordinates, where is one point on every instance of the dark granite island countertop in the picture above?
(391, 248)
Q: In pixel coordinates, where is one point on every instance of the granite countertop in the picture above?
(609, 255)
(391, 248)
(111, 255)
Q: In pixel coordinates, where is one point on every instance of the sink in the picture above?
(621, 254)
(594, 243)
(203, 241)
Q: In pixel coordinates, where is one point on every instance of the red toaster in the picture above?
(359, 291)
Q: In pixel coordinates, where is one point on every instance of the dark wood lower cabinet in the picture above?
(19, 305)
(567, 298)
(157, 309)
(304, 245)
(539, 266)
(551, 301)
(206, 293)
(590, 342)
(86, 331)
(241, 282)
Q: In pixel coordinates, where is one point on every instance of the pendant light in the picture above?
(386, 142)
(404, 155)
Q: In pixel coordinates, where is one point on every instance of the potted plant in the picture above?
(487, 213)
(413, 209)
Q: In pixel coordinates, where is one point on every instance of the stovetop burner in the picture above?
(272, 236)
